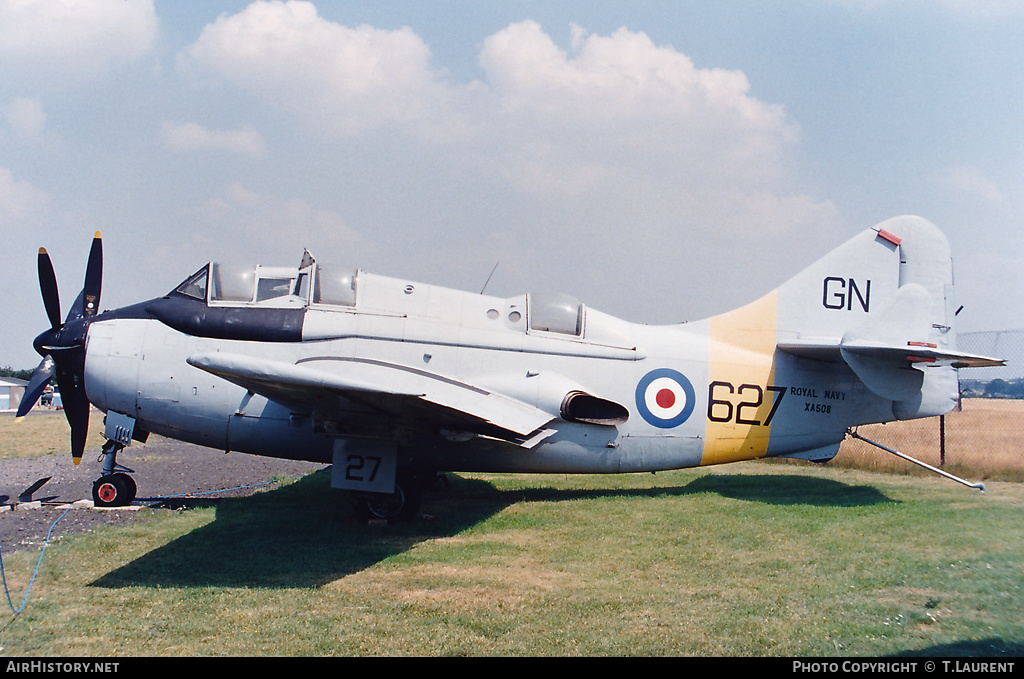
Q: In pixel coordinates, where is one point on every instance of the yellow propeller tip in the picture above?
(42, 251)
(97, 235)
(76, 460)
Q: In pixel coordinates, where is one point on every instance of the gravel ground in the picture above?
(163, 468)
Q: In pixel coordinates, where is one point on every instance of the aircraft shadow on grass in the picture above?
(787, 490)
(298, 536)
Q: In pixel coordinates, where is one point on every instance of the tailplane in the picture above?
(883, 304)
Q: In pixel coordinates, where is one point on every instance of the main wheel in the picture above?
(401, 505)
(113, 490)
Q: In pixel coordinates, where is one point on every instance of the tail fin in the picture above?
(883, 304)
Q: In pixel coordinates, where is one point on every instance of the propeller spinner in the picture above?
(63, 345)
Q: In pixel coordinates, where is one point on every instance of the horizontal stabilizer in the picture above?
(823, 349)
(886, 350)
(918, 352)
(829, 350)
(887, 369)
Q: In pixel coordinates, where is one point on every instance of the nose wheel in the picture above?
(115, 488)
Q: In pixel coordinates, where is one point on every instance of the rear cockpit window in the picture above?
(556, 313)
(336, 286)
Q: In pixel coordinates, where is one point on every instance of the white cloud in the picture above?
(26, 116)
(345, 80)
(186, 137)
(622, 106)
(62, 42)
(349, 80)
(613, 116)
(259, 223)
(624, 75)
(19, 200)
(970, 180)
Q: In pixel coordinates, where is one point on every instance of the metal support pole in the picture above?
(980, 486)
(942, 440)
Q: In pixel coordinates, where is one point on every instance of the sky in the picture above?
(660, 161)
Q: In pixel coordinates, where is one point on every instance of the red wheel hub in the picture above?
(107, 492)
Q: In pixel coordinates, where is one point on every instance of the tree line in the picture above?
(997, 388)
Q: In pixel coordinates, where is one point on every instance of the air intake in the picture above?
(581, 407)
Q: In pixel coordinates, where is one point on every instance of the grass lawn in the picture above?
(752, 559)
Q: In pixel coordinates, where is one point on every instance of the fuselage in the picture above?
(698, 393)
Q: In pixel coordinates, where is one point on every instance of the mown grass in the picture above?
(44, 432)
(750, 559)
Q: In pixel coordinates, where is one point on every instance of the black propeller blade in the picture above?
(93, 277)
(48, 286)
(40, 378)
(76, 403)
(63, 345)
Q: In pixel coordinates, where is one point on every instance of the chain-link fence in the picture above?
(983, 437)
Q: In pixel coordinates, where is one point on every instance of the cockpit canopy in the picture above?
(246, 300)
(227, 284)
(556, 312)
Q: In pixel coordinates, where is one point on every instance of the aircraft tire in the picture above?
(131, 488)
(402, 505)
(113, 490)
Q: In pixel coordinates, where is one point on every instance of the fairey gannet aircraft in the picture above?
(392, 381)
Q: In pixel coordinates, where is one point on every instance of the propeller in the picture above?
(63, 345)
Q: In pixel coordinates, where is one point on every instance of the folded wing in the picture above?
(389, 388)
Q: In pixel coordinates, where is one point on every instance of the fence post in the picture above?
(942, 440)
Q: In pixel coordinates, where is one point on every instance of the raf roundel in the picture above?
(665, 398)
